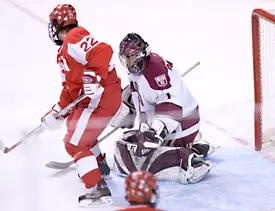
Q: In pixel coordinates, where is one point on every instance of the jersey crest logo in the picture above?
(161, 80)
(87, 79)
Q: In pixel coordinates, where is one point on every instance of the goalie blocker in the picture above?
(166, 163)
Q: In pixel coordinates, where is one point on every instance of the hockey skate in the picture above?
(104, 168)
(196, 171)
(202, 147)
(97, 196)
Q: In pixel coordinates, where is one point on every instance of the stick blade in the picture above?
(57, 165)
(3, 147)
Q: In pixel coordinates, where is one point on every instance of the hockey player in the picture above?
(85, 67)
(167, 142)
(158, 92)
(141, 191)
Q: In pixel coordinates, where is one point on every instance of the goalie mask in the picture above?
(62, 16)
(141, 188)
(133, 52)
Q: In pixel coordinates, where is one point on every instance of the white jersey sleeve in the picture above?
(158, 89)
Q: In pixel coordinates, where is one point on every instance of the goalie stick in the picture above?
(64, 165)
(40, 129)
(190, 69)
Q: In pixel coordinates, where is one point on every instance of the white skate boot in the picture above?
(97, 196)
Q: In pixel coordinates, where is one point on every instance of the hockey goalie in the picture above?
(164, 118)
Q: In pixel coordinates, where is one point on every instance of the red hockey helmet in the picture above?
(133, 51)
(141, 188)
(61, 16)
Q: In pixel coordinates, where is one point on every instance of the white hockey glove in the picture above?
(91, 84)
(49, 120)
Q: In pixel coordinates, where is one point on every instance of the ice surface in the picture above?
(217, 33)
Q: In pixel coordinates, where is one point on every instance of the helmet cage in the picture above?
(134, 62)
(133, 53)
(54, 29)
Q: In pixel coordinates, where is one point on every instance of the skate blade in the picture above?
(101, 202)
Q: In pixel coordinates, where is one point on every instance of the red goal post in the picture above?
(263, 44)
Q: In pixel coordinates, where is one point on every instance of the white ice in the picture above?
(215, 32)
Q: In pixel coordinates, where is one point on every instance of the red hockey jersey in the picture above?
(81, 52)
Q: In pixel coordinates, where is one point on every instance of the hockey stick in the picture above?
(190, 69)
(40, 129)
(64, 165)
(60, 165)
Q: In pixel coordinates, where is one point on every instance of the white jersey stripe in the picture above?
(81, 126)
(83, 121)
(183, 133)
(86, 164)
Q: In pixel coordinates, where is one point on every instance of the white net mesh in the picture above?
(267, 61)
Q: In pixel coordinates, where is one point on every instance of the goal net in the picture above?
(263, 37)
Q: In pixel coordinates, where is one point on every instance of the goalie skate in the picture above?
(197, 170)
(202, 147)
(97, 196)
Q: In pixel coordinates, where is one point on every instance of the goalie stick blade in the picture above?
(59, 165)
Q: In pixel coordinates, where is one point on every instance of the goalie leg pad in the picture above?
(167, 163)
